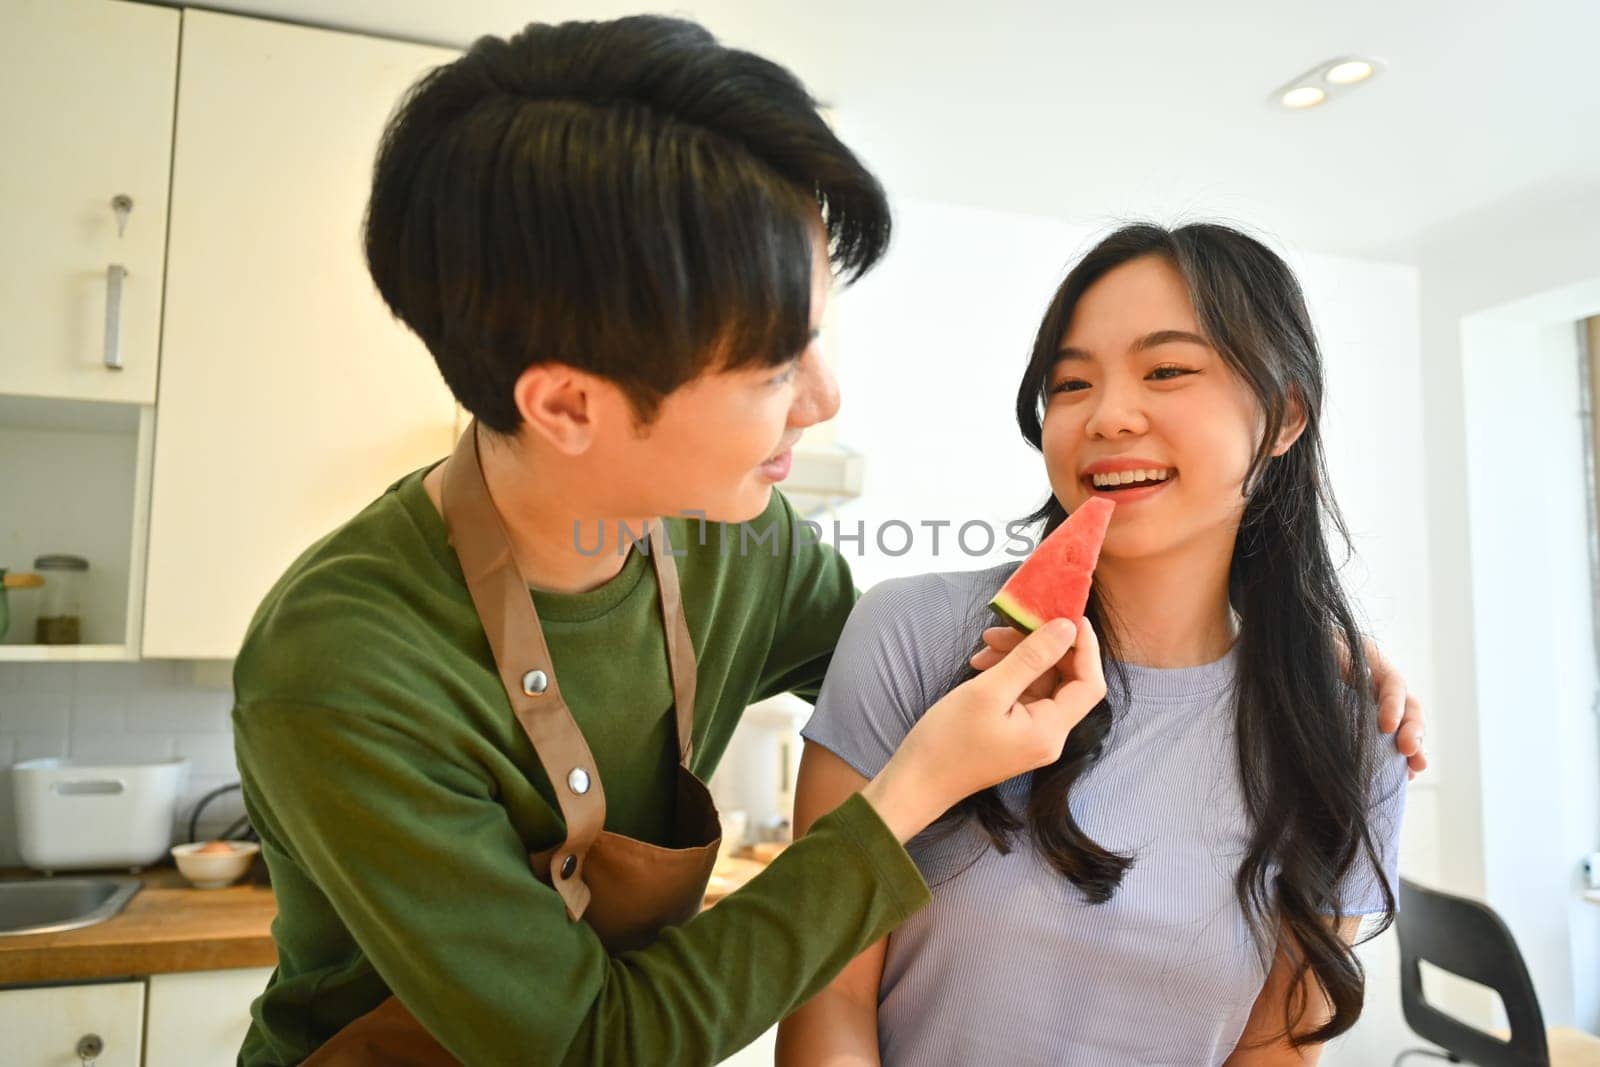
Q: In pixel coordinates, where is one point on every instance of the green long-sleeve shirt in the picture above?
(397, 799)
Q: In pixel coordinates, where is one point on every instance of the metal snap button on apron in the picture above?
(578, 781)
(535, 682)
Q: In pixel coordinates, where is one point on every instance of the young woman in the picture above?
(1183, 886)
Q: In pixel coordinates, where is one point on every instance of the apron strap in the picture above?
(505, 608)
(680, 645)
(522, 657)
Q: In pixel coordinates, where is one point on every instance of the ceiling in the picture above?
(1088, 111)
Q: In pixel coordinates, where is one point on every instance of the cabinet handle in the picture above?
(89, 1048)
(114, 275)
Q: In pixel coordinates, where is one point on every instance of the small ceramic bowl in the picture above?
(214, 870)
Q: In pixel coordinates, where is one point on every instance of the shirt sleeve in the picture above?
(413, 851)
(905, 645)
(816, 599)
(1362, 891)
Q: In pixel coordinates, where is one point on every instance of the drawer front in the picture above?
(46, 1026)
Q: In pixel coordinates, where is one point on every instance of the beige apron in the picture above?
(626, 890)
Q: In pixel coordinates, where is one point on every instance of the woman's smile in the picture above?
(1126, 479)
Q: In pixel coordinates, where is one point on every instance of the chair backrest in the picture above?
(1468, 939)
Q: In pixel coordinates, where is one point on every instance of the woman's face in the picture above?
(1142, 410)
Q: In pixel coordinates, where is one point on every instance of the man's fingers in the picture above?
(1377, 662)
(1042, 686)
(1034, 655)
(1391, 708)
(1409, 740)
(1413, 714)
(1003, 638)
(1085, 677)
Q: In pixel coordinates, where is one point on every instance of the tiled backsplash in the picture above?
(119, 713)
(134, 712)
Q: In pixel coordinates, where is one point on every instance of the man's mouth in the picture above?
(776, 467)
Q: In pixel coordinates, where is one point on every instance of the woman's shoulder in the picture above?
(906, 644)
(927, 618)
(934, 601)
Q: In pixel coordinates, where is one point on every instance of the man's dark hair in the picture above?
(630, 198)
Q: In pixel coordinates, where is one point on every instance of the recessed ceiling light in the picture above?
(1349, 71)
(1326, 81)
(1303, 96)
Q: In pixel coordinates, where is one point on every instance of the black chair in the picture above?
(1467, 938)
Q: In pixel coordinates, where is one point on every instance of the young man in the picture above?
(483, 811)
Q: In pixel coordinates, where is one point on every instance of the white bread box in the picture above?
(79, 817)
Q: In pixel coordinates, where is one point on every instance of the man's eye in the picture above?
(1168, 372)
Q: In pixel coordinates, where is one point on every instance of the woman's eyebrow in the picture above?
(1070, 354)
(1167, 337)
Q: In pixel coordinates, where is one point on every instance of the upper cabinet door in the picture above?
(86, 94)
(290, 397)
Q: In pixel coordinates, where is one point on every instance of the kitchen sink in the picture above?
(50, 905)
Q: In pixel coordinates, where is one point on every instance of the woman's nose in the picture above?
(816, 396)
(1117, 412)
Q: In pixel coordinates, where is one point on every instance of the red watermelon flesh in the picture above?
(1053, 583)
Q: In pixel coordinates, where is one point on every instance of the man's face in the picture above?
(720, 443)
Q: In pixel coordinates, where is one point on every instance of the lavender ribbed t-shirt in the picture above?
(1010, 963)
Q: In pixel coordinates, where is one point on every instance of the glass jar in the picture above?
(61, 599)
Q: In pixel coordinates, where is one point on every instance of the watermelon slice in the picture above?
(1053, 583)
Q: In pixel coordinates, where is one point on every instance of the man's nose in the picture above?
(816, 398)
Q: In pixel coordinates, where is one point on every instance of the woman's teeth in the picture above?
(1121, 478)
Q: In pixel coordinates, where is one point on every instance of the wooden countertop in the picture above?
(167, 926)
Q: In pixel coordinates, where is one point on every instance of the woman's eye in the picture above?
(1069, 385)
(1169, 372)
(787, 376)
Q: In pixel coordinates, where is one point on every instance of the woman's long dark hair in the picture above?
(1307, 744)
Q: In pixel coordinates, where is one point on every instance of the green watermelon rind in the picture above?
(1008, 607)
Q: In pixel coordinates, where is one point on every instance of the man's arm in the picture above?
(444, 905)
(422, 865)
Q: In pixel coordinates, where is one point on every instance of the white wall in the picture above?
(1511, 734)
(932, 344)
(1540, 802)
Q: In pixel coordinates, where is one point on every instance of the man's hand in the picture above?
(1399, 712)
(992, 728)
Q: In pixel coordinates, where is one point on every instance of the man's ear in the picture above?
(557, 402)
(1294, 424)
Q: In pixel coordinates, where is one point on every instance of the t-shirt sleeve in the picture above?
(905, 645)
(1362, 892)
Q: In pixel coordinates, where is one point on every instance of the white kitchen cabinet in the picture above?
(86, 91)
(46, 1026)
(199, 1018)
(289, 395)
